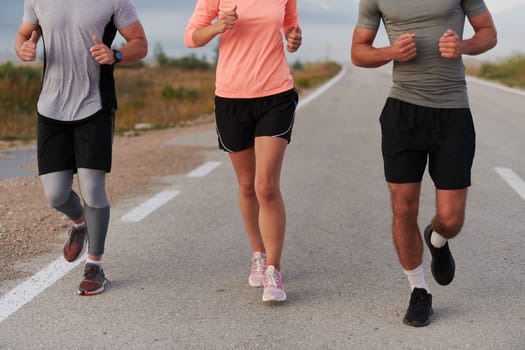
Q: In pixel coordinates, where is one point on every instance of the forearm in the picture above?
(484, 40)
(364, 55)
(204, 35)
(134, 50)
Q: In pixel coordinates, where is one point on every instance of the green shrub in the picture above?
(181, 93)
(510, 71)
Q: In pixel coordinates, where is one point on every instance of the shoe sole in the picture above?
(274, 299)
(91, 293)
(417, 324)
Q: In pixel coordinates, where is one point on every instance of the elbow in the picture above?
(144, 51)
(494, 39)
(356, 61)
(188, 39)
(189, 44)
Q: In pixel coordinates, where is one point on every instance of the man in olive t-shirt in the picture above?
(426, 118)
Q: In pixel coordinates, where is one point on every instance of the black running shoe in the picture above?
(442, 266)
(419, 309)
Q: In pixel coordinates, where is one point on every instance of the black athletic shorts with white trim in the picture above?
(240, 120)
(411, 134)
(86, 143)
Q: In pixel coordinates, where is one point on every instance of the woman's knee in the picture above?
(246, 188)
(266, 190)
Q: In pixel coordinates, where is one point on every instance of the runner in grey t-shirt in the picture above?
(76, 110)
(72, 88)
(426, 118)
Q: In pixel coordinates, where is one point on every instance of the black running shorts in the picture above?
(411, 134)
(86, 143)
(240, 120)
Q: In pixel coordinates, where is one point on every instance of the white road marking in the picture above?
(318, 92)
(513, 180)
(149, 206)
(26, 291)
(495, 85)
(204, 169)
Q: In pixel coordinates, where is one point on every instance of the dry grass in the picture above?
(160, 96)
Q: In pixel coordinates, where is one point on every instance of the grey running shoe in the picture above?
(75, 242)
(419, 309)
(94, 280)
(442, 266)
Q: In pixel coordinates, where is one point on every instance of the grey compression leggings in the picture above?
(58, 188)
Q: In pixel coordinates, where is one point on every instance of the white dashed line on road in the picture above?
(204, 169)
(26, 291)
(149, 206)
(513, 180)
(45, 278)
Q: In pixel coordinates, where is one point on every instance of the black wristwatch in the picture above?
(117, 56)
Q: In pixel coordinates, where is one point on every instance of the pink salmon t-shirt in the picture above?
(252, 61)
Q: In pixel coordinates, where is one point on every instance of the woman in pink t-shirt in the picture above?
(255, 106)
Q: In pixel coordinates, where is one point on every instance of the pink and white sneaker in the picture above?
(256, 278)
(273, 285)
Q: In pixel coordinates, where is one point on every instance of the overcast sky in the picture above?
(327, 27)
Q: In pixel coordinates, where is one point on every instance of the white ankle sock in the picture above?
(94, 262)
(81, 224)
(416, 278)
(437, 240)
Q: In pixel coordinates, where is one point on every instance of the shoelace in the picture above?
(258, 264)
(91, 273)
(273, 280)
(419, 299)
(74, 234)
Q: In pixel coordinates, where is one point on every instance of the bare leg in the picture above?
(244, 165)
(405, 231)
(269, 153)
(450, 212)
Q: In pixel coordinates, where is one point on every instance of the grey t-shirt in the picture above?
(75, 86)
(428, 79)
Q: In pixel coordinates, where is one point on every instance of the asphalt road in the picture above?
(179, 275)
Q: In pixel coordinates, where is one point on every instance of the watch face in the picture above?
(118, 56)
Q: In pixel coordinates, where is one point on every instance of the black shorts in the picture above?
(71, 145)
(412, 133)
(240, 120)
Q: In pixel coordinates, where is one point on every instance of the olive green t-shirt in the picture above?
(428, 79)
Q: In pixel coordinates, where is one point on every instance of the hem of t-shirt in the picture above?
(253, 94)
(430, 104)
(477, 10)
(62, 120)
(128, 23)
(368, 26)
